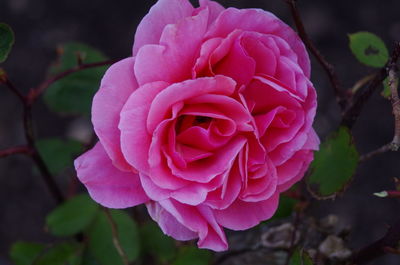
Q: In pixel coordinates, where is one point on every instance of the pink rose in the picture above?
(207, 122)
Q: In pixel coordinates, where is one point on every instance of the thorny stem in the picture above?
(352, 112)
(115, 237)
(341, 95)
(43, 86)
(394, 145)
(27, 102)
(15, 150)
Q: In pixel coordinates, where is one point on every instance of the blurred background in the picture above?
(41, 25)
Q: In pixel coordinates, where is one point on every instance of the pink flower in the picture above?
(207, 122)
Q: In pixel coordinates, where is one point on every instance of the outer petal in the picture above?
(200, 220)
(168, 223)
(106, 184)
(116, 86)
(243, 215)
(164, 12)
(214, 7)
(260, 21)
(173, 59)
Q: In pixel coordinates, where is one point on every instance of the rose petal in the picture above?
(242, 215)
(168, 223)
(164, 12)
(116, 86)
(201, 220)
(135, 140)
(185, 90)
(173, 59)
(263, 22)
(106, 184)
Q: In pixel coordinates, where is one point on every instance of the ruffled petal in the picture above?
(242, 215)
(164, 12)
(135, 140)
(106, 184)
(173, 59)
(116, 86)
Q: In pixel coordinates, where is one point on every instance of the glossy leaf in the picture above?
(60, 254)
(369, 49)
(58, 154)
(334, 164)
(72, 216)
(25, 253)
(193, 256)
(101, 238)
(300, 258)
(157, 244)
(73, 94)
(6, 41)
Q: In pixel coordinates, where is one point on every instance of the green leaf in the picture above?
(25, 253)
(369, 49)
(300, 258)
(6, 41)
(58, 154)
(60, 254)
(386, 92)
(73, 216)
(157, 244)
(101, 242)
(285, 207)
(73, 94)
(193, 256)
(334, 164)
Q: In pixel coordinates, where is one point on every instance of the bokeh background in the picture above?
(41, 25)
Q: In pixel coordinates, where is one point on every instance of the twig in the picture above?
(378, 248)
(15, 150)
(36, 92)
(341, 95)
(4, 80)
(380, 150)
(395, 144)
(350, 115)
(115, 237)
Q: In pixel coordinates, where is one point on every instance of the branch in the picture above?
(350, 115)
(378, 248)
(36, 92)
(371, 154)
(341, 95)
(15, 150)
(395, 144)
(4, 80)
(115, 237)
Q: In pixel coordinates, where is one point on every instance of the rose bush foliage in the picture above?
(207, 122)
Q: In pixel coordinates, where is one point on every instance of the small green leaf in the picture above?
(25, 253)
(101, 242)
(334, 164)
(60, 254)
(73, 216)
(193, 256)
(300, 258)
(58, 154)
(6, 41)
(73, 94)
(369, 49)
(157, 244)
(387, 92)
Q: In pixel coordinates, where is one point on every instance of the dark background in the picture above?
(40, 25)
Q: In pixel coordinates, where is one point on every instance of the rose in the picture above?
(207, 123)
